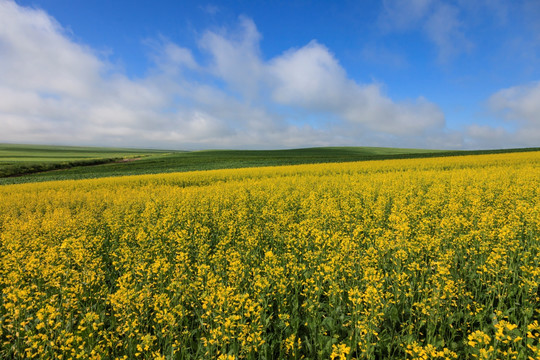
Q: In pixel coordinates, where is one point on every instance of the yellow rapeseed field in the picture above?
(426, 259)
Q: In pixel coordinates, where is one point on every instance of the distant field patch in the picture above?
(18, 160)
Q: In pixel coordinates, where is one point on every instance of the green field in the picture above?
(17, 160)
(32, 163)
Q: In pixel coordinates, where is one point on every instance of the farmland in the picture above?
(36, 163)
(31, 163)
(18, 160)
(413, 258)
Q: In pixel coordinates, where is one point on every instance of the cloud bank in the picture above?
(225, 94)
(56, 90)
(520, 106)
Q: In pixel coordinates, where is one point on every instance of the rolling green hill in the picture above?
(30, 163)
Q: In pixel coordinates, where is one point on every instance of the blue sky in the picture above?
(280, 74)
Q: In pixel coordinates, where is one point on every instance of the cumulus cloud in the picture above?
(311, 78)
(56, 90)
(34, 45)
(236, 58)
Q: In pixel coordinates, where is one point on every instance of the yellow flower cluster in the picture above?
(426, 259)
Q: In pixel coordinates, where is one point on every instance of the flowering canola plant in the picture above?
(407, 259)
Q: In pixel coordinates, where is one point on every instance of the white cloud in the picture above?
(521, 103)
(170, 58)
(236, 58)
(519, 106)
(311, 78)
(56, 90)
(34, 45)
(486, 137)
(496, 137)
